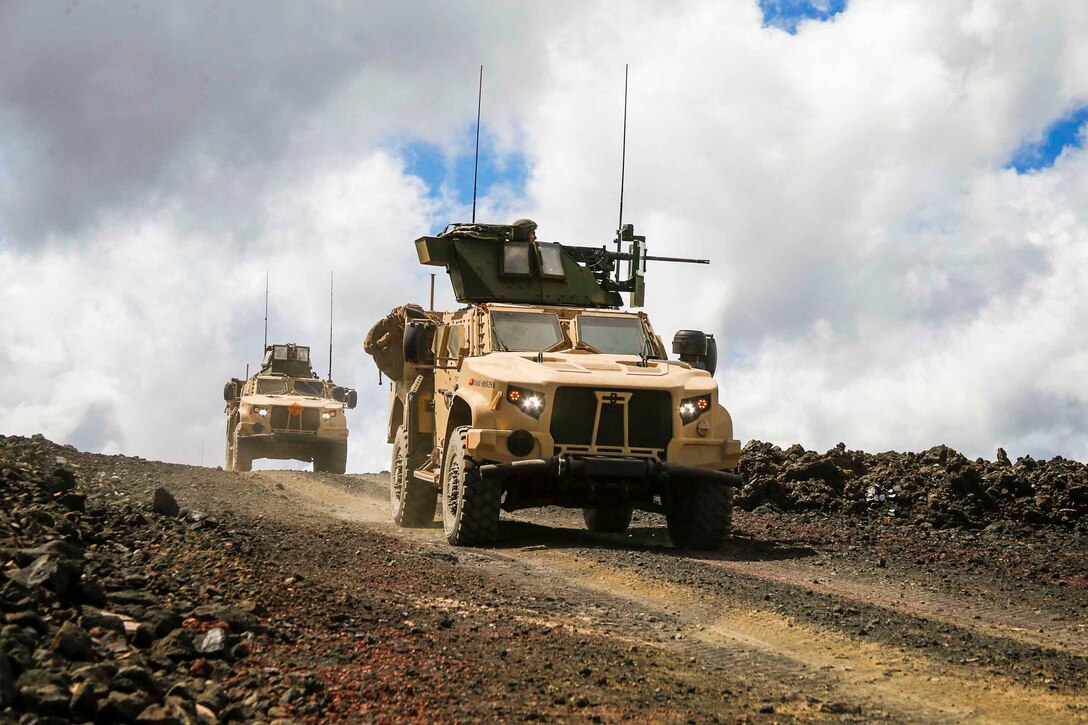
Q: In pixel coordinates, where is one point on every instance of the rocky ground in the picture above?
(939, 486)
(863, 587)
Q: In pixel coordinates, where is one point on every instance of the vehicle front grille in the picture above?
(282, 420)
(623, 420)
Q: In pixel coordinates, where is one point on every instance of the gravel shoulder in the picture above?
(806, 615)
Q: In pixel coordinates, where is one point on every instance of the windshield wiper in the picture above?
(646, 352)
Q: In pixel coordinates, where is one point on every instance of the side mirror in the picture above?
(352, 399)
(711, 354)
(418, 338)
(338, 394)
(697, 349)
(230, 391)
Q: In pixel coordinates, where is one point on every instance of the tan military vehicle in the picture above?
(286, 412)
(542, 392)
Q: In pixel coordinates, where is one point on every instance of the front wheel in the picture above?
(699, 514)
(470, 503)
(331, 459)
(241, 459)
(413, 502)
(228, 462)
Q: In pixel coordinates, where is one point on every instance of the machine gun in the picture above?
(602, 264)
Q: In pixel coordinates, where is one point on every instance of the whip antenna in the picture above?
(265, 312)
(476, 163)
(623, 156)
(330, 326)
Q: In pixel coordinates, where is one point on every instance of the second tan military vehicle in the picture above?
(285, 412)
(542, 392)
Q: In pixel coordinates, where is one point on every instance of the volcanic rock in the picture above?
(57, 574)
(73, 643)
(178, 645)
(164, 503)
(43, 692)
(8, 690)
(211, 642)
(939, 486)
(239, 619)
(123, 707)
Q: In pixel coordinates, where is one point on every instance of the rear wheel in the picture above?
(607, 520)
(699, 514)
(470, 503)
(413, 502)
(331, 459)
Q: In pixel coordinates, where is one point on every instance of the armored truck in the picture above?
(286, 412)
(542, 391)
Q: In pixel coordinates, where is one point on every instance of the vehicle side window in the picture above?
(515, 259)
(453, 347)
(551, 260)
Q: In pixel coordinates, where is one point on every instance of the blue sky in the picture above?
(451, 174)
(1062, 134)
(789, 14)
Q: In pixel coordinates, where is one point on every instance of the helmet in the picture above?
(524, 223)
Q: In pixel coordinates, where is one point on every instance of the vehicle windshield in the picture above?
(271, 386)
(613, 335)
(523, 331)
(313, 388)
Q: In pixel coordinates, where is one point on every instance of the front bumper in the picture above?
(261, 432)
(586, 482)
(282, 445)
(600, 467)
(486, 444)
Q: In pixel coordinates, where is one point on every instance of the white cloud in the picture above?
(878, 276)
(123, 342)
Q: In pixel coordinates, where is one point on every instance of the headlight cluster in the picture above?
(529, 401)
(258, 410)
(328, 415)
(692, 408)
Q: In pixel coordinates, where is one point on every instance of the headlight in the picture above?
(692, 408)
(328, 415)
(257, 410)
(529, 402)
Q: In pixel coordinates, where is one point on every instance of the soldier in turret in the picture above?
(529, 227)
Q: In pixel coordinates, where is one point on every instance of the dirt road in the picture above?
(809, 632)
(799, 618)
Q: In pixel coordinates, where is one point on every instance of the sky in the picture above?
(893, 194)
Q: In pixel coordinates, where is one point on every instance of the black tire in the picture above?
(242, 459)
(331, 459)
(228, 463)
(413, 502)
(607, 520)
(470, 504)
(699, 514)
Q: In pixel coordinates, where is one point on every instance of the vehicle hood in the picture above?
(586, 369)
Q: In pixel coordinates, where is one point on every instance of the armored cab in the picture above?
(286, 412)
(543, 391)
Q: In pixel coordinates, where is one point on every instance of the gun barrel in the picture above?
(677, 259)
(589, 253)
